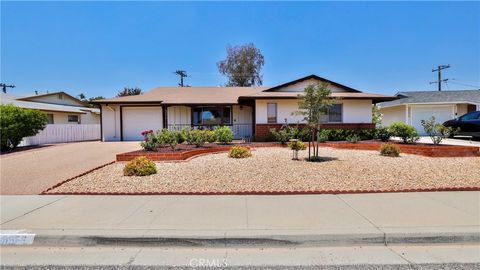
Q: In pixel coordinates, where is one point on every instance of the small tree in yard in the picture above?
(313, 105)
(436, 131)
(17, 123)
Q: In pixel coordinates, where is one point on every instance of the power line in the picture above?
(439, 80)
(464, 84)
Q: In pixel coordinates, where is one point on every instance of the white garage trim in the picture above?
(135, 119)
(416, 113)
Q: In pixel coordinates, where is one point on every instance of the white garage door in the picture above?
(138, 119)
(441, 113)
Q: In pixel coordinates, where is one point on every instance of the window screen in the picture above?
(272, 112)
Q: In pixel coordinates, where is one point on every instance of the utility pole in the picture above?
(182, 74)
(439, 80)
(4, 87)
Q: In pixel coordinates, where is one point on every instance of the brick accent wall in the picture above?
(262, 130)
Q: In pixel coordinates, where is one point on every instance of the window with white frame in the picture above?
(272, 113)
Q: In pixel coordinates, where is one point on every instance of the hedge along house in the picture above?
(248, 111)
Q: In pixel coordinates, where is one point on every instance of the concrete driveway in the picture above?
(33, 171)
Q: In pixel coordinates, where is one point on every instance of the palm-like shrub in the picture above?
(436, 131)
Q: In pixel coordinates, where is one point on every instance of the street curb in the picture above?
(281, 240)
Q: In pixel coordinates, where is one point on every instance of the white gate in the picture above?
(60, 133)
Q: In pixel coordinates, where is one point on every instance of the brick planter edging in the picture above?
(416, 149)
(274, 192)
(187, 154)
(72, 178)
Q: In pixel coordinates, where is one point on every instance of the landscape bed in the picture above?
(185, 152)
(271, 171)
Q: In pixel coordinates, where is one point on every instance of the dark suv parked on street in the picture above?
(469, 124)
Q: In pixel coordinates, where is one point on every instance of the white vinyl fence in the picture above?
(60, 133)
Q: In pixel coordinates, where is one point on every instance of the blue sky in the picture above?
(99, 47)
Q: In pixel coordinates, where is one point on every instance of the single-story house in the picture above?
(60, 107)
(249, 111)
(412, 107)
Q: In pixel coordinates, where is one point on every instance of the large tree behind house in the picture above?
(242, 65)
(126, 91)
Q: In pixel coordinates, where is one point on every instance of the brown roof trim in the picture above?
(105, 101)
(313, 76)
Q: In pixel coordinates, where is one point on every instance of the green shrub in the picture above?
(17, 123)
(383, 134)
(298, 145)
(323, 135)
(167, 137)
(210, 136)
(150, 141)
(436, 131)
(140, 166)
(181, 135)
(390, 149)
(282, 136)
(239, 152)
(224, 134)
(303, 134)
(353, 138)
(408, 133)
(198, 137)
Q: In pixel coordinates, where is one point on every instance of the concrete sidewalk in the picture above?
(294, 219)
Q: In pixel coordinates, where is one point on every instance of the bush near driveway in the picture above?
(140, 166)
(407, 132)
(239, 152)
(17, 123)
(390, 150)
(436, 131)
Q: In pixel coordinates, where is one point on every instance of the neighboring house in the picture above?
(68, 118)
(248, 111)
(412, 107)
(60, 107)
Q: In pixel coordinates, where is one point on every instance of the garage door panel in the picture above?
(138, 119)
(441, 114)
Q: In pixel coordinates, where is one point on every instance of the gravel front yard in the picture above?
(271, 169)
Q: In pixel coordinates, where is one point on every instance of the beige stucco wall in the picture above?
(354, 111)
(111, 123)
(90, 118)
(54, 99)
(393, 114)
(62, 118)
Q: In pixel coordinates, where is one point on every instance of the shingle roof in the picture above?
(460, 96)
(11, 99)
(188, 95)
